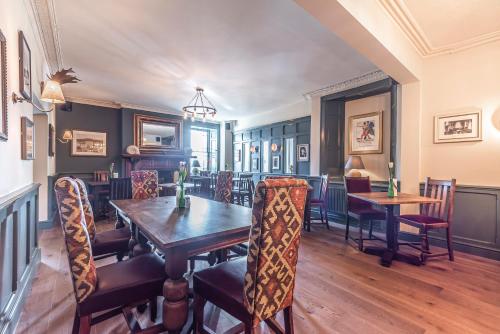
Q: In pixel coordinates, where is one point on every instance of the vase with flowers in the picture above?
(180, 194)
(392, 190)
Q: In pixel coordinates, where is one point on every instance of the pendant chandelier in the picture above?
(199, 106)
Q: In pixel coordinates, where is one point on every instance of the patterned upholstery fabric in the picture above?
(83, 271)
(144, 184)
(224, 186)
(277, 217)
(87, 208)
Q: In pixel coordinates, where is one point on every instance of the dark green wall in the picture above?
(299, 128)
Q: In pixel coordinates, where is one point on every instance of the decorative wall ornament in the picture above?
(3, 88)
(348, 84)
(133, 150)
(24, 67)
(366, 134)
(459, 126)
(27, 139)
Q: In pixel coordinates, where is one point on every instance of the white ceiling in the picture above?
(250, 56)
(446, 22)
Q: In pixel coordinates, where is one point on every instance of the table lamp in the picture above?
(353, 164)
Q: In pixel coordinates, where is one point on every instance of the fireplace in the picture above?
(165, 164)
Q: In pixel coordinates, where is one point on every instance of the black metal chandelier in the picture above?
(199, 106)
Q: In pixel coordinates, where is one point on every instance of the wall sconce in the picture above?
(252, 149)
(51, 90)
(67, 136)
(275, 147)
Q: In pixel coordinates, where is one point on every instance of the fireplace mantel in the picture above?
(161, 162)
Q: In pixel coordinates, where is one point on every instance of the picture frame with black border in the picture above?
(302, 152)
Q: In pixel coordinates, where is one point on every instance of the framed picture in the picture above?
(460, 126)
(276, 162)
(366, 133)
(52, 141)
(89, 144)
(237, 156)
(3, 88)
(24, 67)
(255, 164)
(27, 139)
(303, 152)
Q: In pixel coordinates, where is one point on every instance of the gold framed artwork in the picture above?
(366, 133)
(27, 139)
(24, 67)
(460, 126)
(3, 88)
(89, 144)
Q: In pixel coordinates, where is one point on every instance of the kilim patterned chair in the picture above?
(144, 184)
(107, 243)
(255, 289)
(359, 209)
(114, 288)
(223, 194)
(433, 216)
(224, 186)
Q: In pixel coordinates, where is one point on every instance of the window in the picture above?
(204, 143)
(289, 156)
(265, 156)
(246, 157)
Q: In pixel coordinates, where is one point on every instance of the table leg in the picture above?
(133, 241)
(391, 235)
(307, 213)
(175, 291)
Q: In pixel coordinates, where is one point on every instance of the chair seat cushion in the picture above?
(111, 241)
(421, 220)
(222, 285)
(125, 283)
(366, 213)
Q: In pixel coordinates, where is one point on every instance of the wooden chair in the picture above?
(433, 216)
(245, 189)
(100, 195)
(144, 184)
(213, 184)
(222, 194)
(107, 243)
(322, 201)
(360, 210)
(114, 288)
(255, 289)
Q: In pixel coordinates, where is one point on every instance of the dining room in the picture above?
(282, 166)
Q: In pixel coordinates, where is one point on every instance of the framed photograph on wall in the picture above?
(3, 87)
(24, 67)
(276, 162)
(303, 152)
(460, 126)
(52, 141)
(255, 164)
(27, 139)
(365, 134)
(89, 144)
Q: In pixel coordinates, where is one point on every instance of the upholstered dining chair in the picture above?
(360, 210)
(144, 184)
(322, 200)
(256, 288)
(433, 216)
(224, 187)
(107, 243)
(114, 288)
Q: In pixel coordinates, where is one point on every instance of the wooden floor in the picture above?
(338, 290)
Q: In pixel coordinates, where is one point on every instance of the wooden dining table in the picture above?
(179, 234)
(392, 252)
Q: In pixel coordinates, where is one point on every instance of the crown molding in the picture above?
(46, 25)
(121, 105)
(402, 16)
(348, 84)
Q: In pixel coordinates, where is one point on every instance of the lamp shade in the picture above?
(52, 92)
(67, 135)
(354, 162)
(196, 163)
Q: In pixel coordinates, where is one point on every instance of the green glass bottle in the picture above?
(390, 191)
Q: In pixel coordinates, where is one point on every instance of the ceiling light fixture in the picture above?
(199, 106)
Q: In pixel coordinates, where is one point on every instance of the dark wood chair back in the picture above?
(246, 183)
(204, 173)
(356, 185)
(120, 188)
(101, 176)
(443, 190)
